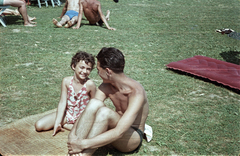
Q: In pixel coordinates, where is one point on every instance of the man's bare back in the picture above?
(73, 5)
(90, 9)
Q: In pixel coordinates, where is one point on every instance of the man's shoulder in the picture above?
(106, 88)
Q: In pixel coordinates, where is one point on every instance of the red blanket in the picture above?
(215, 70)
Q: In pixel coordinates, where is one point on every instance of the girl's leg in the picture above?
(46, 123)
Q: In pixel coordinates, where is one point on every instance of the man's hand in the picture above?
(110, 28)
(75, 27)
(58, 128)
(74, 146)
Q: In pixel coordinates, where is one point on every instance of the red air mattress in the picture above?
(215, 70)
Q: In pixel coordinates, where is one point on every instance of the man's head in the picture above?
(82, 56)
(111, 58)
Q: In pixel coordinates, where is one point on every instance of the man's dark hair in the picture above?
(81, 55)
(111, 58)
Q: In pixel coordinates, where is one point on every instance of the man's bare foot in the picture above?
(69, 24)
(16, 12)
(32, 18)
(32, 22)
(66, 26)
(55, 22)
(107, 16)
(29, 25)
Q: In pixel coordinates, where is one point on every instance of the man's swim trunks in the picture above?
(71, 13)
(1, 2)
(100, 22)
(76, 103)
(141, 134)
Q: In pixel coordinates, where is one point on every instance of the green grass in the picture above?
(189, 115)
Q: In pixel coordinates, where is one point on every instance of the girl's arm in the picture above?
(91, 88)
(61, 106)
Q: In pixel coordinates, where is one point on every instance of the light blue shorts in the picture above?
(71, 13)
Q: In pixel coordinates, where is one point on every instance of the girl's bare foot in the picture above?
(55, 22)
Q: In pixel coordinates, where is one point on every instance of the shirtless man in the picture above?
(93, 12)
(21, 4)
(69, 14)
(122, 128)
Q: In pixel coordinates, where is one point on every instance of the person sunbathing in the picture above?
(21, 4)
(16, 13)
(69, 14)
(93, 12)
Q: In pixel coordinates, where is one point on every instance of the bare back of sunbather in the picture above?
(90, 9)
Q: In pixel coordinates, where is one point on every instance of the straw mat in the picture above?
(20, 138)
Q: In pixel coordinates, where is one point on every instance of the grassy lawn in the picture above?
(189, 115)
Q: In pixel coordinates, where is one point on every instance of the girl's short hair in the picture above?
(81, 55)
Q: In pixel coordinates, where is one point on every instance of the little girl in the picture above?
(76, 92)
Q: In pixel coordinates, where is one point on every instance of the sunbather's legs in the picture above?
(11, 12)
(21, 4)
(55, 22)
(72, 22)
(64, 20)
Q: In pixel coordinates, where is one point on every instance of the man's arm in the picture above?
(104, 18)
(79, 15)
(64, 9)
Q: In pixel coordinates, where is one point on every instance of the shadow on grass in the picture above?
(205, 80)
(231, 56)
(107, 150)
(13, 20)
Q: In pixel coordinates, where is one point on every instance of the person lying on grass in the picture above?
(21, 4)
(76, 92)
(99, 125)
(93, 12)
(69, 14)
(16, 13)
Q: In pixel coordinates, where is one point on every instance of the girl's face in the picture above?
(82, 70)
